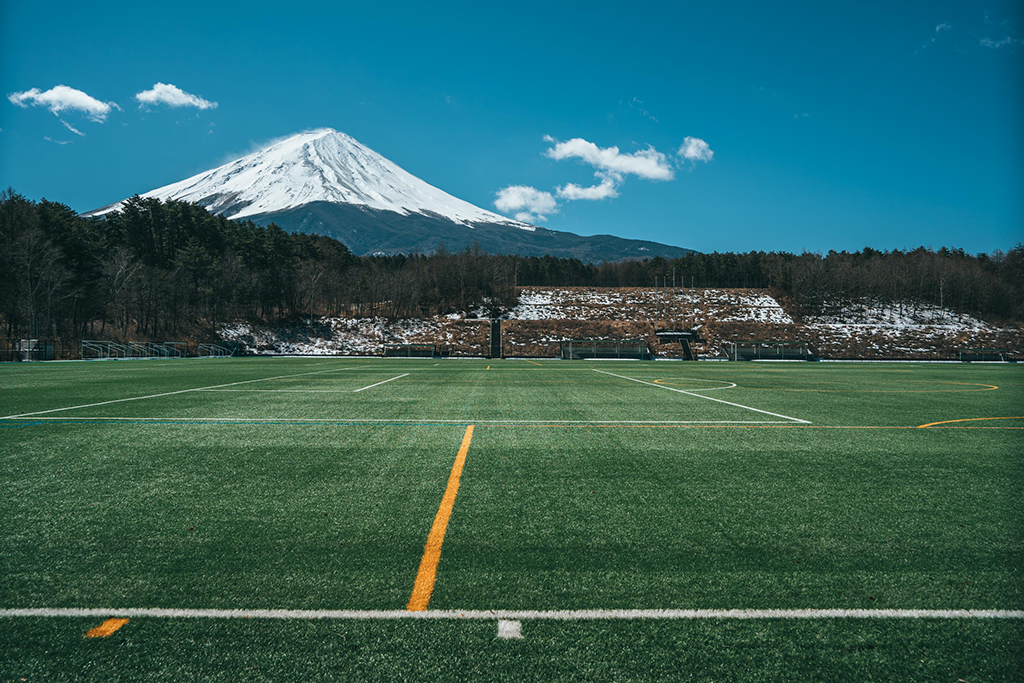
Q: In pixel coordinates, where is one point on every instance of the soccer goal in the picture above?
(768, 350)
(968, 355)
(579, 349)
(411, 351)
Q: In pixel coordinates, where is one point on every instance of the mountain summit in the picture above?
(326, 182)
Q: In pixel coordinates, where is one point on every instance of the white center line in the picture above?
(379, 383)
(171, 393)
(707, 398)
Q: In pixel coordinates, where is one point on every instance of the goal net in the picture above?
(768, 350)
(983, 354)
(578, 349)
(410, 350)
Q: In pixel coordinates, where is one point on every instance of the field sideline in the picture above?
(371, 519)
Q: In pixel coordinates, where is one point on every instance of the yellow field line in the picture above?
(537, 364)
(424, 586)
(107, 628)
(968, 419)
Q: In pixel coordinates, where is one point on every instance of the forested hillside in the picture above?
(156, 269)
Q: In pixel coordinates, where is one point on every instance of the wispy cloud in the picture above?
(973, 34)
(72, 128)
(607, 189)
(1008, 41)
(695, 149)
(647, 163)
(638, 106)
(529, 203)
(172, 96)
(62, 98)
(56, 142)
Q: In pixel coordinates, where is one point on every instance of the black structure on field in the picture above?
(495, 351)
(983, 354)
(768, 350)
(686, 338)
(578, 349)
(411, 351)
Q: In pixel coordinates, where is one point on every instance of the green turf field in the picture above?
(313, 484)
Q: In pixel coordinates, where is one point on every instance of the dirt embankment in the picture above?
(547, 316)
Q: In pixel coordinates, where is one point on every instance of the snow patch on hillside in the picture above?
(638, 303)
(898, 315)
(355, 336)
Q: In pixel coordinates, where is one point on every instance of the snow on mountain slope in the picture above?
(318, 166)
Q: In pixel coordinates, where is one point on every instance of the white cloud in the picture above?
(529, 202)
(62, 98)
(647, 163)
(942, 27)
(608, 189)
(72, 128)
(695, 149)
(56, 142)
(172, 96)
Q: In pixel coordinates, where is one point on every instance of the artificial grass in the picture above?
(570, 499)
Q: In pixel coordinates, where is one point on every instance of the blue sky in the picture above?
(832, 126)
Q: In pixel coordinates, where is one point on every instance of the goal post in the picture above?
(411, 351)
(968, 355)
(768, 350)
(580, 349)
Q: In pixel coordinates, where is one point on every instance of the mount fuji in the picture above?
(327, 183)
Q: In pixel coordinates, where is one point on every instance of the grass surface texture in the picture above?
(400, 508)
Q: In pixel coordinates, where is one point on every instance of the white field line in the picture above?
(379, 383)
(171, 393)
(276, 391)
(707, 398)
(552, 615)
(375, 420)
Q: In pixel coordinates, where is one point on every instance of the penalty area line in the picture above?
(521, 615)
(706, 398)
(171, 393)
(356, 391)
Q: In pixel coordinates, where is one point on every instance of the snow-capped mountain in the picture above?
(326, 182)
(322, 165)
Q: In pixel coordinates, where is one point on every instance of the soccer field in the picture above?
(370, 519)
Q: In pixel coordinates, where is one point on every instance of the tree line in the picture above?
(156, 269)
